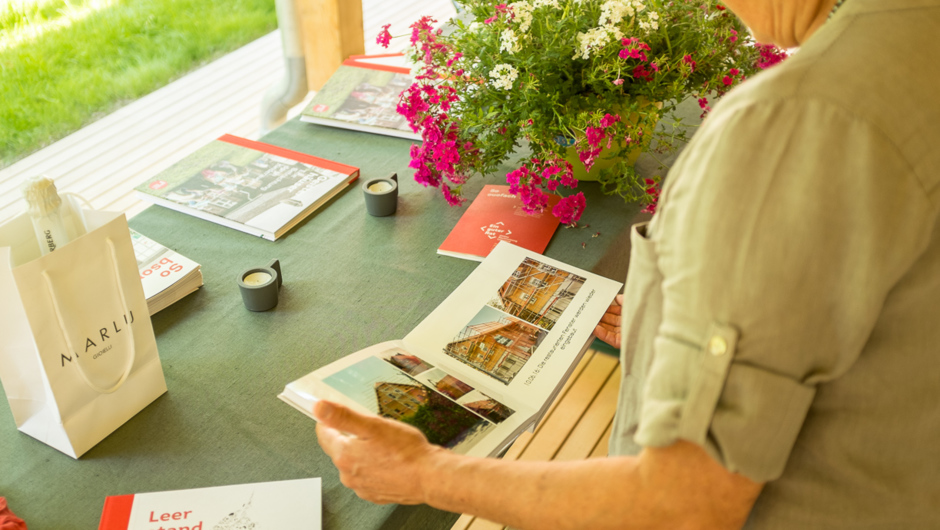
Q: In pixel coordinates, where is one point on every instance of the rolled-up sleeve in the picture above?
(781, 231)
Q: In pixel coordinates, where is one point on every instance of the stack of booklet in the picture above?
(166, 275)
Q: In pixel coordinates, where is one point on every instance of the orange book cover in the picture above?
(494, 216)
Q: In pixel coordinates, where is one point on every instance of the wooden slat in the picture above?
(589, 431)
(577, 424)
(600, 451)
(519, 446)
(570, 409)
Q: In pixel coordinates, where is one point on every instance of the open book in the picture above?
(485, 364)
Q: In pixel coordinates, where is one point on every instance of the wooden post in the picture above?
(332, 31)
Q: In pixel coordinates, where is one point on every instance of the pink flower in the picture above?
(769, 55)
(652, 192)
(452, 198)
(727, 80)
(594, 136)
(633, 49)
(734, 72)
(588, 157)
(501, 8)
(640, 72)
(618, 82)
(687, 59)
(455, 58)
(734, 36)
(569, 209)
(609, 119)
(384, 36)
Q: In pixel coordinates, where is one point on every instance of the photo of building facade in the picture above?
(499, 347)
(409, 364)
(453, 387)
(399, 401)
(490, 409)
(538, 293)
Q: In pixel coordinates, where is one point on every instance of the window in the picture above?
(503, 340)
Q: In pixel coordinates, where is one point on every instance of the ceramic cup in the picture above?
(259, 286)
(381, 195)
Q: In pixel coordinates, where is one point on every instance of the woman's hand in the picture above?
(608, 330)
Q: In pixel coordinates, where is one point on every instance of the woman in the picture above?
(780, 332)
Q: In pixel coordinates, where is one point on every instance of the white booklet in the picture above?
(165, 274)
(485, 365)
(284, 505)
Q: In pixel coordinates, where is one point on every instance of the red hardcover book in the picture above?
(285, 505)
(494, 216)
(258, 188)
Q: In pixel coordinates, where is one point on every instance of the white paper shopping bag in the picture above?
(78, 356)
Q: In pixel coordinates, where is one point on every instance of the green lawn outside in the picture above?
(66, 63)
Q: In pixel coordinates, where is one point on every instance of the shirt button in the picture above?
(717, 346)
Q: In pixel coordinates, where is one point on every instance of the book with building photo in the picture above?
(485, 364)
(258, 188)
(362, 95)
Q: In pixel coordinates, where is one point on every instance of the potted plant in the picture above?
(582, 83)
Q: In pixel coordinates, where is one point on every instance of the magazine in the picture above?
(485, 365)
(254, 187)
(285, 505)
(165, 274)
(362, 95)
(496, 215)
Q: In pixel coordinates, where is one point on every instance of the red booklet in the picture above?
(494, 216)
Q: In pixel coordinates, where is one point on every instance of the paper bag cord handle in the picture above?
(60, 321)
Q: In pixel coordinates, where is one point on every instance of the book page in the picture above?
(515, 325)
(389, 381)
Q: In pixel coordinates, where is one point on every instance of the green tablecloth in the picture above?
(350, 280)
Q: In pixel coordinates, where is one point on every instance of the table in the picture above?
(350, 280)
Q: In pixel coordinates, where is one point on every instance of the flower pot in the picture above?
(605, 160)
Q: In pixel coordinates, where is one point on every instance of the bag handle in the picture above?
(60, 321)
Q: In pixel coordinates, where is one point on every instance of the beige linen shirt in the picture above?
(782, 308)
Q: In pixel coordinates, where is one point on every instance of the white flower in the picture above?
(613, 11)
(503, 76)
(474, 27)
(508, 41)
(522, 12)
(543, 3)
(595, 38)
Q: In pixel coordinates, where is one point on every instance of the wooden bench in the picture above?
(576, 426)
